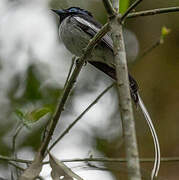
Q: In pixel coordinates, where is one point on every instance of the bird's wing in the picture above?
(91, 27)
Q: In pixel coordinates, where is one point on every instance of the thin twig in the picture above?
(15, 136)
(147, 51)
(121, 160)
(70, 70)
(109, 8)
(97, 167)
(113, 168)
(134, 5)
(80, 116)
(19, 128)
(153, 12)
(155, 44)
(16, 166)
(5, 158)
(108, 160)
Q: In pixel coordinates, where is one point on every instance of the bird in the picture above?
(76, 27)
(80, 26)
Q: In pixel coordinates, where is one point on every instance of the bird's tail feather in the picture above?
(137, 99)
(155, 138)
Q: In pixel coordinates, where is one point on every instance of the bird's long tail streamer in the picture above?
(155, 139)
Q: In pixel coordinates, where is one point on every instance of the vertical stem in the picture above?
(125, 104)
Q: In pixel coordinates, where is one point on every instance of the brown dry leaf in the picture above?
(60, 170)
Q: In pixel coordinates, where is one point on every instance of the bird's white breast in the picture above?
(73, 37)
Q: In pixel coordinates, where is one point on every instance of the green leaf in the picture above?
(164, 32)
(21, 117)
(35, 115)
(123, 5)
(19, 114)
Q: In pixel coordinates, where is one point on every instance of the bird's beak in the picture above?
(58, 12)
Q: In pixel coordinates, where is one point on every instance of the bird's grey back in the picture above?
(75, 39)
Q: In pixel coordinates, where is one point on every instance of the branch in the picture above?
(19, 128)
(22, 169)
(108, 160)
(153, 12)
(164, 32)
(60, 107)
(16, 166)
(134, 5)
(80, 116)
(70, 70)
(147, 51)
(125, 105)
(109, 8)
(120, 160)
(5, 158)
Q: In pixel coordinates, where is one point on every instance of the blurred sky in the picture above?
(29, 36)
